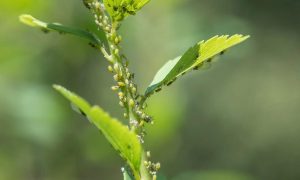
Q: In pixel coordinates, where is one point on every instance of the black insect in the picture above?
(171, 82)
(197, 67)
(147, 119)
(159, 89)
(221, 53)
(210, 60)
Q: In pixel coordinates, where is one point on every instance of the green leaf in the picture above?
(126, 175)
(193, 58)
(120, 9)
(82, 105)
(118, 135)
(31, 21)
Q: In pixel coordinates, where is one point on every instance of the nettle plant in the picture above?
(128, 139)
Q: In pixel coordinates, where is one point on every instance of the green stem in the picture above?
(127, 88)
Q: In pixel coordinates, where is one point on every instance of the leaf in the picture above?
(126, 175)
(82, 105)
(31, 21)
(120, 9)
(118, 135)
(194, 57)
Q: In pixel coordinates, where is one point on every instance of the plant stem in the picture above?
(129, 98)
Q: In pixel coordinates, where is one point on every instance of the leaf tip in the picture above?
(61, 90)
(247, 36)
(243, 37)
(29, 20)
(57, 87)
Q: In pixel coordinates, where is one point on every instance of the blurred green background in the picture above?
(237, 120)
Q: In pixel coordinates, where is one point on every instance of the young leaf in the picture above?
(31, 21)
(120, 9)
(194, 57)
(117, 134)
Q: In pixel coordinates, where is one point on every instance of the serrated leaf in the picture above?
(31, 21)
(192, 58)
(118, 135)
(120, 9)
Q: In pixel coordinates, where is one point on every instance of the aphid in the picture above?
(147, 119)
(183, 73)
(128, 75)
(131, 102)
(116, 67)
(221, 53)
(107, 28)
(121, 84)
(158, 89)
(114, 88)
(133, 122)
(210, 60)
(141, 124)
(121, 95)
(61, 32)
(92, 45)
(137, 97)
(45, 30)
(126, 82)
(121, 104)
(116, 77)
(171, 82)
(157, 166)
(133, 90)
(87, 4)
(196, 67)
(137, 105)
(117, 40)
(148, 154)
(132, 75)
(110, 69)
(145, 105)
(139, 113)
(123, 56)
(146, 163)
(130, 12)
